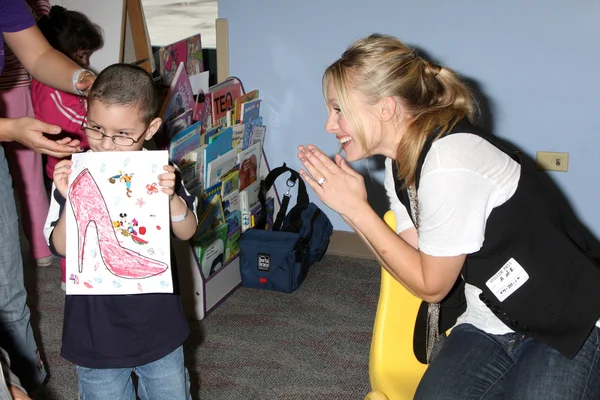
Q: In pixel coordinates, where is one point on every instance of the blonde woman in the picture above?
(473, 224)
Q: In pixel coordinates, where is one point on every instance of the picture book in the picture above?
(237, 114)
(220, 166)
(187, 51)
(183, 143)
(223, 95)
(232, 248)
(179, 98)
(257, 214)
(249, 161)
(210, 250)
(231, 202)
(192, 171)
(212, 133)
(210, 193)
(118, 227)
(174, 126)
(189, 174)
(234, 220)
(250, 110)
(237, 136)
(220, 146)
(203, 110)
(249, 131)
(211, 217)
(248, 200)
(231, 182)
(258, 135)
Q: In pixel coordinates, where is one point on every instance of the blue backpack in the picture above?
(279, 259)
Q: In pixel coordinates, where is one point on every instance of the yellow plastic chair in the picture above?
(394, 370)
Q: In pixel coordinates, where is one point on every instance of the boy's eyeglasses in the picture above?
(97, 134)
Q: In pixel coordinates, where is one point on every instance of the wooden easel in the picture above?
(222, 30)
(135, 41)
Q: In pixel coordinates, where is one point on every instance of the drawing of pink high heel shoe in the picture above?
(89, 207)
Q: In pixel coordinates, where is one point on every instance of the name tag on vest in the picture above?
(507, 280)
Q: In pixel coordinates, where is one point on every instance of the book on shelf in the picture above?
(253, 95)
(185, 143)
(232, 249)
(248, 201)
(230, 182)
(249, 131)
(179, 98)
(171, 128)
(257, 211)
(231, 202)
(177, 109)
(249, 161)
(258, 134)
(211, 250)
(211, 216)
(250, 110)
(223, 94)
(221, 166)
(220, 146)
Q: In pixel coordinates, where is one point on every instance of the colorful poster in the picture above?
(118, 225)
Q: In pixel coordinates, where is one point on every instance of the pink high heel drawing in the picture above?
(89, 207)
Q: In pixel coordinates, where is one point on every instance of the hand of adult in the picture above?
(17, 394)
(30, 133)
(336, 184)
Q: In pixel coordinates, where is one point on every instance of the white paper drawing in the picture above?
(118, 229)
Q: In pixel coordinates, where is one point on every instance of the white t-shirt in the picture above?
(463, 178)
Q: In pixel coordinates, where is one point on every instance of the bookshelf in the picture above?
(200, 295)
(202, 289)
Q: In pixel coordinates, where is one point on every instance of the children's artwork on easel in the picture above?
(187, 51)
(118, 229)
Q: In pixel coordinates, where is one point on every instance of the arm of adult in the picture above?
(46, 64)
(428, 277)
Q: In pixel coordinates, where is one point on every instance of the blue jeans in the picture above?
(164, 379)
(16, 335)
(475, 365)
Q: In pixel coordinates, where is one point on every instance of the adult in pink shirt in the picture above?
(47, 65)
(24, 163)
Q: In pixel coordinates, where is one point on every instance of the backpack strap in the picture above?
(265, 186)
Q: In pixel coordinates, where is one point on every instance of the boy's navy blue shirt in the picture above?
(122, 331)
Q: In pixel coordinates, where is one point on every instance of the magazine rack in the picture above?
(199, 294)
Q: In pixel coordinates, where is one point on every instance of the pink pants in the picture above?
(26, 170)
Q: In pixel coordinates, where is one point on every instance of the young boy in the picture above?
(109, 337)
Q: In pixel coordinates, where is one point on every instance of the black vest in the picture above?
(559, 304)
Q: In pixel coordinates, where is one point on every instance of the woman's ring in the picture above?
(321, 181)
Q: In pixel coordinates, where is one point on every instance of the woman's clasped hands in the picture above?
(336, 184)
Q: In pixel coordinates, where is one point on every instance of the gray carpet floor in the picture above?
(311, 344)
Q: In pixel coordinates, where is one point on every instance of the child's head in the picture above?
(122, 105)
(71, 33)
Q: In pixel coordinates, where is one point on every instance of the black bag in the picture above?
(279, 259)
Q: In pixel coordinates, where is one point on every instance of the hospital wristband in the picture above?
(180, 217)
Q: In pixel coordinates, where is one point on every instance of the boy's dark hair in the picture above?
(129, 86)
(69, 31)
